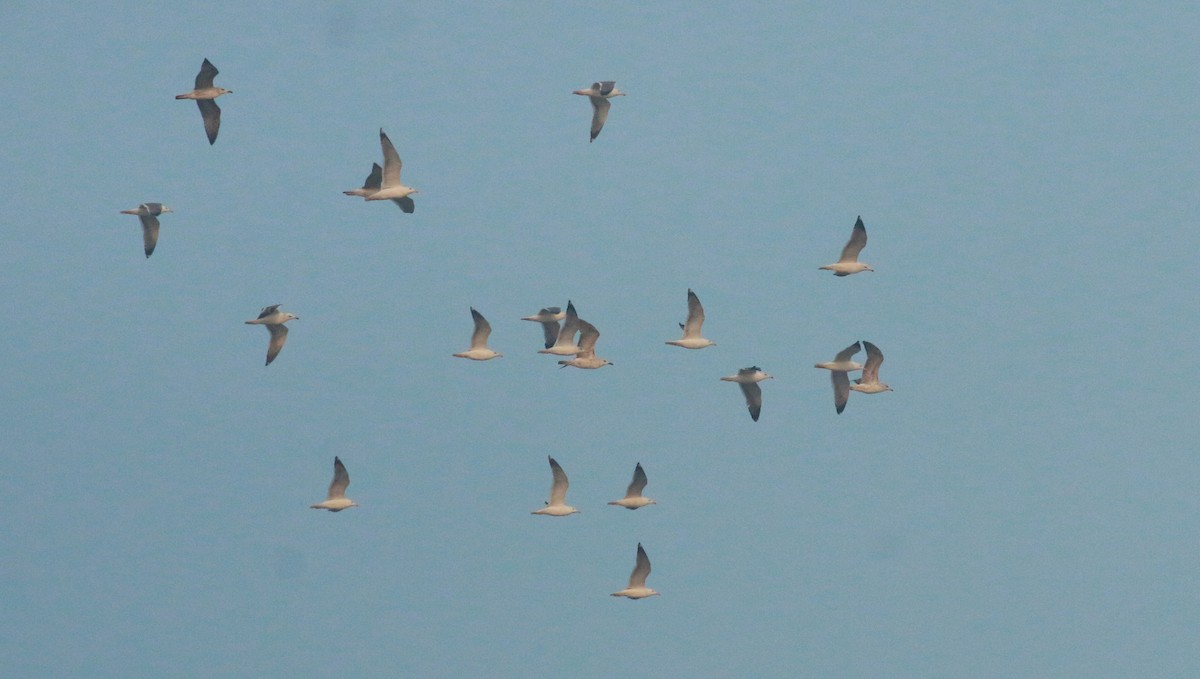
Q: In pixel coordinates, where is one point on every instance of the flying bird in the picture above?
(869, 382)
(390, 187)
(337, 500)
(148, 214)
(549, 318)
(371, 185)
(633, 494)
(637, 588)
(849, 263)
(205, 95)
(564, 344)
(274, 319)
(479, 350)
(748, 379)
(839, 367)
(599, 94)
(691, 329)
(557, 505)
(586, 357)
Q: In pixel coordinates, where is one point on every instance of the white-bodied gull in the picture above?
(205, 95)
(479, 350)
(849, 264)
(599, 94)
(337, 500)
(748, 379)
(557, 505)
(390, 187)
(869, 382)
(564, 344)
(274, 319)
(586, 357)
(691, 329)
(633, 494)
(148, 214)
(637, 588)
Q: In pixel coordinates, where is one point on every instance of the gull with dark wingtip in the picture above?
(336, 499)
(637, 588)
(869, 382)
(748, 379)
(838, 369)
(148, 214)
(390, 187)
(274, 320)
(599, 94)
(848, 263)
(691, 329)
(479, 350)
(205, 95)
(564, 344)
(586, 356)
(557, 505)
(633, 494)
(549, 318)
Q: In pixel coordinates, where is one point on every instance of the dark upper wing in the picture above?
(211, 113)
(205, 77)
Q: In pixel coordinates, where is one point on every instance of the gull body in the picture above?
(849, 264)
(205, 94)
(337, 500)
(390, 187)
(586, 358)
(633, 494)
(371, 186)
(869, 382)
(842, 360)
(599, 94)
(274, 319)
(557, 505)
(479, 350)
(549, 318)
(748, 379)
(564, 344)
(637, 588)
(147, 214)
(691, 329)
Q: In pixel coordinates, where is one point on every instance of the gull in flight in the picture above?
(748, 379)
(337, 500)
(633, 495)
(371, 185)
(691, 330)
(839, 367)
(564, 344)
(390, 187)
(869, 382)
(274, 319)
(637, 588)
(205, 95)
(479, 350)
(849, 263)
(599, 94)
(586, 357)
(148, 214)
(549, 318)
(557, 506)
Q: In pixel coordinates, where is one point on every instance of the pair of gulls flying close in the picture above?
(274, 320)
(384, 182)
(205, 95)
(842, 365)
(560, 341)
(599, 94)
(557, 504)
(336, 500)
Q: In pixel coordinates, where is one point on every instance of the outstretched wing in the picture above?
(858, 241)
(753, 394)
(204, 79)
(341, 479)
(641, 570)
(638, 484)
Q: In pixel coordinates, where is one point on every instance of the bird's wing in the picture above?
(641, 570)
(845, 354)
(479, 337)
(570, 326)
(695, 318)
(558, 488)
(268, 310)
(638, 484)
(341, 479)
(550, 332)
(375, 179)
(858, 241)
(870, 373)
(841, 389)
(753, 395)
(391, 161)
(211, 113)
(149, 232)
(588, 334)
(278, 337)
(204, 79)
(407, 206)
(599, 115)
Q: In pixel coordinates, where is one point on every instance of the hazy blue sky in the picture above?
(1023, 505)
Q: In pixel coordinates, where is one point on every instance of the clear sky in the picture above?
(1023, 504)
